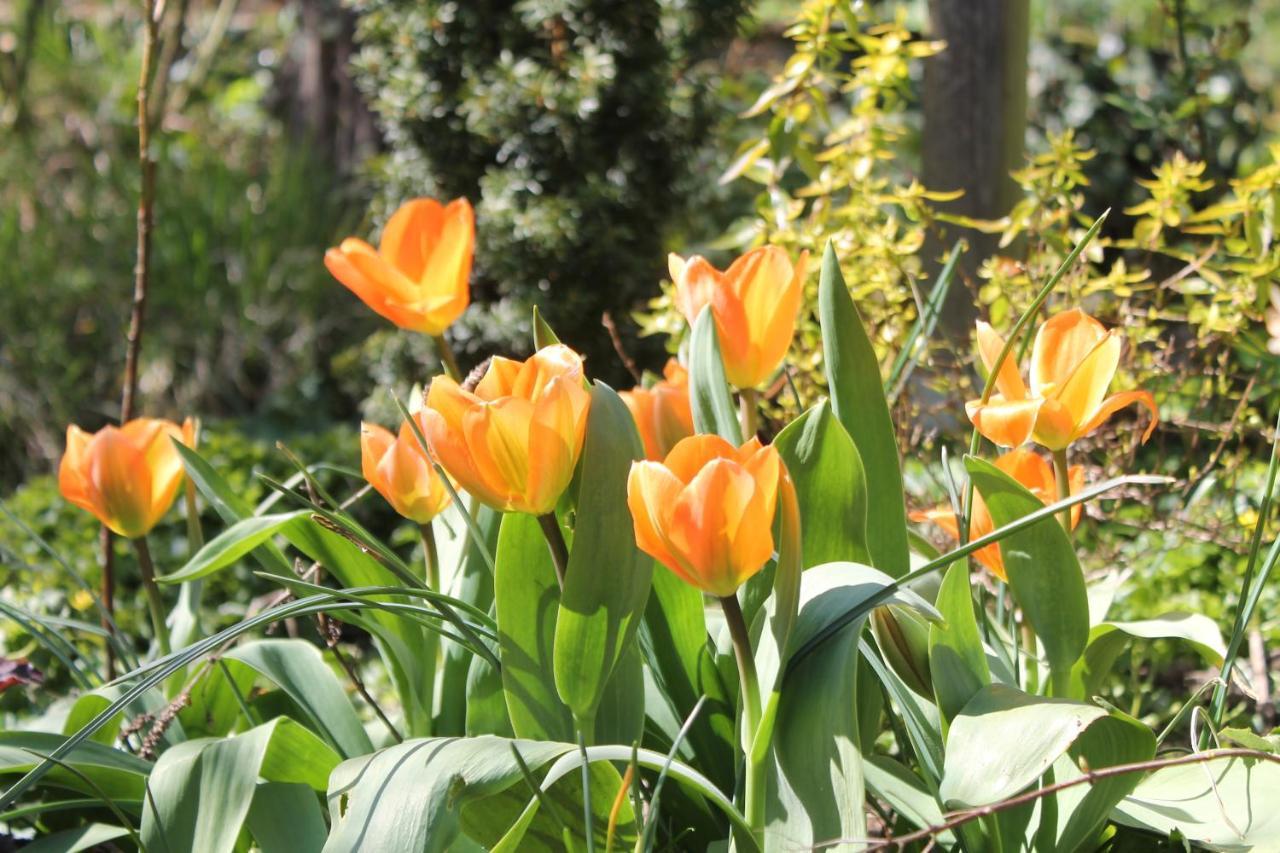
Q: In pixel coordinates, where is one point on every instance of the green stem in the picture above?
(748, 415)
(750, 684)
(1062, 476)
(555, 542)
(446, 357)
(154, 602)
(431, 640)
(430, 555)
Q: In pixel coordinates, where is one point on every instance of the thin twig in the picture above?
(606, 320)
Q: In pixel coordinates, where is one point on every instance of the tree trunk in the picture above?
(975, 116)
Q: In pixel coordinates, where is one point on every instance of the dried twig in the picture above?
(628, 362)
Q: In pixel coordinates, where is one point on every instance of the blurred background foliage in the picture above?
(594, 137)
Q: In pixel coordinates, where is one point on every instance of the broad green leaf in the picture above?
(230, 545)
(215, 709)
(486, 700)
(1084, 809)
(527, 598)
(830, 485)
(601, 607)
(91, 836)
(682, 661)
(919, 716)
(285, 817)
(904, 791)
(298, 669)
(619, 717)
(1043, 572)
(91, 704)
(1004, 739)
(119, 775)
(857, 398)
(1108, 640)
(1223, 804)
(957, 661)
(708, 389)
(200, 791)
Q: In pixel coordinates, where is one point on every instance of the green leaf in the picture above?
(527, 596)
(543, 335)
(600, 609)
(957, 661)
(300, 671)
(472, 582)
(230, 545)
(117, 774)
(1004, 740)
(201, 790)
(1043, 571)
(620, 715)
(857, 396)
(830, 486)
(286, 818)
(1225, 804)
(89, 705)
(91, 836)
(904, 791)
(486, 700)
(708, 388)
(1108, 640)
(1083, 810)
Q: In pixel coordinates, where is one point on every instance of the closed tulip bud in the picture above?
(514, 442)
(1029, 469)
(755, 303)
(1073, 362)
(903, 637)
(127, 476)
(398, 468)
(418, 276)
(662, 412)
(706, 511)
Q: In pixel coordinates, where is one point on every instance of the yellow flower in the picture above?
(1073, 362)
(399, 469)
(706, 511)
(418, 276)
(755, 303)
(515, 441)
(662, 412)
(127, 476)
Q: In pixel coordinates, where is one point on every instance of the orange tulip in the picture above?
(706, 511)
(1073, 362)
(399, 469)
(515, 441)
(127, 476)
(417, 277)
(1029, 469)
(755, 303)
(662, 412)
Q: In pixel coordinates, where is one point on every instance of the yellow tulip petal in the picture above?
(557, 430)
(1086, 388)
(689, 456)
(696, 281)
(652, 492)
(497, 434)
(1115, 403)
(707, 519)
(122, 482)
(1075, 482)
(1008, 423)
(1008, 380)
(1030, 469)
(640, 402)
(450, 449)
(1063, 341)
(73, 483)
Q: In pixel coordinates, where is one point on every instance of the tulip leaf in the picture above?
(230, 545)
(285, 817)
(708, 388)
(957, 661)
(1084, 809)
(857, 397)
(619, 718)
(543, 335)
(1044, 575)
(1108, 640)
(526, 597)
(486, 711)
(607, 580)
(830, 485)
(90, 768)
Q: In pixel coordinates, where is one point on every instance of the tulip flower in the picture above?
(514, 442)
(662, 412)
(706, 511)
(417, 277)
(398, 468)
(755, 303)
(1073, 362)
(127, 476)
(1029, 469)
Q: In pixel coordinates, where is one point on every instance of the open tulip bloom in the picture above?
(662, 412)
(127, 476)
(1032, 471)
(398, 468)
(755, 303)
(1073, 362)
(418, 276)
(512, 443)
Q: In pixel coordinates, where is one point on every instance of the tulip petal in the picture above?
(1062, 343)
(557, 431)
(450, 449)
(1008, 423)
(73, 481)
(1031, 470)
(652, 492)
(641, 403)
(165, 466)
(410, 233)
(696, 281)
(119, 476)
(692, 454)
(1115, 403)
(756, 307)
(719, 529)
(497, 434)
(499, 378)
(1008, 380)
(1087, 386)
(450, 400)
(1075, 482)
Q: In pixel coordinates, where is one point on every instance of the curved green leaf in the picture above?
(957, 661)
(117, 774)
(1108, 640)
(708, 388)
(230, 545)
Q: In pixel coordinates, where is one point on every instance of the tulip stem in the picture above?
(446, 357)
(1062, 476)
(430, 555)
(748, 415)
(555, 542)
(753, 793)
(154, 603)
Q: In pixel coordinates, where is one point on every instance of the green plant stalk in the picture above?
(154, 602)
(754, 789)
(748, 412)
(1062, 477)
(431, 640)
(555, 543)
(447, 358)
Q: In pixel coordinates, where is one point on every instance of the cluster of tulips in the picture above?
(511, 439)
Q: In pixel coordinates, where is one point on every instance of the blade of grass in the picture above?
(923, 327)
